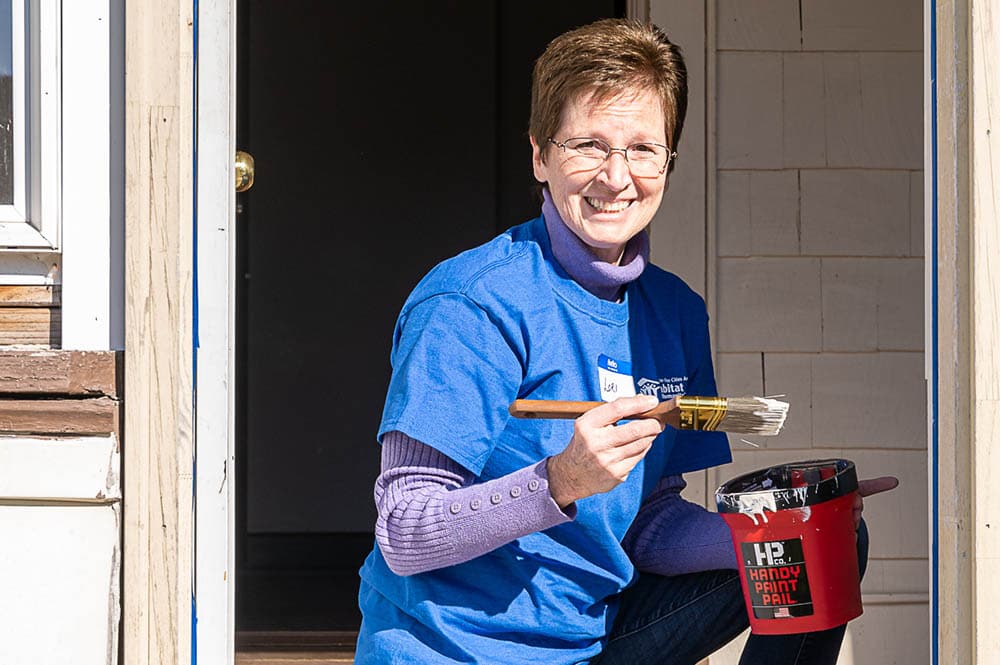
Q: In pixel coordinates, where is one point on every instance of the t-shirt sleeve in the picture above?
(455, 372)
(694, 451)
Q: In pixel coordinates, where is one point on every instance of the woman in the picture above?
(517, 541)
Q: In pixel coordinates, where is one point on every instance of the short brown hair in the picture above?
(608, 57)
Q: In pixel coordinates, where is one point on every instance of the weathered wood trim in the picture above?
(984, 44)
(30, 315)
(158, 332)
(30, 296)
(97, 415)
(71, 373)
(953, 471)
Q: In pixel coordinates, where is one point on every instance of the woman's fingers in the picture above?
(867, 488)
(602, 453)
(876, 485)
(620, 409)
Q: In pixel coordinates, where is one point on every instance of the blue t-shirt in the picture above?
(500, 322)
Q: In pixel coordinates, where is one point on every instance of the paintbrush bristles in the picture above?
(754, 415)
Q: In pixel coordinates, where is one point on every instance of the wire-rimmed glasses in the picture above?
(645, 159)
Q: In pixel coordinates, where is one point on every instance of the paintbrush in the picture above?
(763, 416)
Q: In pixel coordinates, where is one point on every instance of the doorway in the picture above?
(387, 138)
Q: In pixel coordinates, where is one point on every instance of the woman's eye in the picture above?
(644, 148)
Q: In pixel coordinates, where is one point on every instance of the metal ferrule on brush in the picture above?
(701, 413)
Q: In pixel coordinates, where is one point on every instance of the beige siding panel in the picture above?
(855, 213)
(749, 111)
(739, 374)
(790, 374)
(874, 115)
(774, 213)
(765, 25)
(769, 305)
(890, 634)
(900, 305)
(873, 304)
(758, 213)
(850, 304)
(679, 229)
(896, 576)
(869, 400)
(734, 213)
(803, 111)
(862, 25)
(916, 213)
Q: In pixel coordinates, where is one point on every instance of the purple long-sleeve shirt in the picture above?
(433, 513)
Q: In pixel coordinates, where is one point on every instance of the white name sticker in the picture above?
(615, 378)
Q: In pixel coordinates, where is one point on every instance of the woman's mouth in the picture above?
(607, 206)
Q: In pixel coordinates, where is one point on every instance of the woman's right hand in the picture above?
(601, 454)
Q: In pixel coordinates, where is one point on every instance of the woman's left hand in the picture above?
(867, 488)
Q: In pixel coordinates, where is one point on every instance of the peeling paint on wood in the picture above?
(53, 372)
(99, 415)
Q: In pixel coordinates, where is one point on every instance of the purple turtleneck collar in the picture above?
(604, 280)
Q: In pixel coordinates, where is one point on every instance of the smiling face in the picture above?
(607, 205)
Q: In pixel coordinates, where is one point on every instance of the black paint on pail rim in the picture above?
(780, 483)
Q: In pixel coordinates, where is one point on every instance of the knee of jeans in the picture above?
(862, 548)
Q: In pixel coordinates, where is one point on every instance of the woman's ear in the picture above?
(538, 161)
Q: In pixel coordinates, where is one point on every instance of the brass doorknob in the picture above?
(244, 171)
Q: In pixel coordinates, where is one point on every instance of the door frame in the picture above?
(957, 222)
(213, 601)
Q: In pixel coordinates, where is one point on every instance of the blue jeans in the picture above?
(680, 620)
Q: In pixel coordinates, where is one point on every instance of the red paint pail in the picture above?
(793, 531)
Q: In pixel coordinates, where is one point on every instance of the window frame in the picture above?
(32, 221)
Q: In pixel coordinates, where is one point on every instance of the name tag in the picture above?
(615, 378)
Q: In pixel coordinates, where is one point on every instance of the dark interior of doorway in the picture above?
(388, 136)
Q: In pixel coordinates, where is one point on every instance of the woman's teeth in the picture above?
(608, 206)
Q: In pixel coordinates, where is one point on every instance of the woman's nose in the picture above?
(616, 173)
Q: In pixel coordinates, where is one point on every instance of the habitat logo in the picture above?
(662, 388)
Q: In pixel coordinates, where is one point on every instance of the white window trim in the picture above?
(73, 232)
(91, 200)
(33, 221)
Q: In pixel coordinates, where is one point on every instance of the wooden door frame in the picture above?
(160, 424)
(157, 557)
(215, 395)
(178, 319)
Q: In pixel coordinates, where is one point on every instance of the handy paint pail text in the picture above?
(793, 531)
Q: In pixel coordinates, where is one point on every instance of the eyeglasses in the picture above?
(645, 160)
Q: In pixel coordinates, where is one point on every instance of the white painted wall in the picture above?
(60, 510)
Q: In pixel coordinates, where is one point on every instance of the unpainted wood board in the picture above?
(30, 325)
(99, 415)
(30, 295)
(157, 588)
(54, 372)
(955, 585)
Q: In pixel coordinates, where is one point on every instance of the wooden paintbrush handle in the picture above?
(666, 412)
(550, 408)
